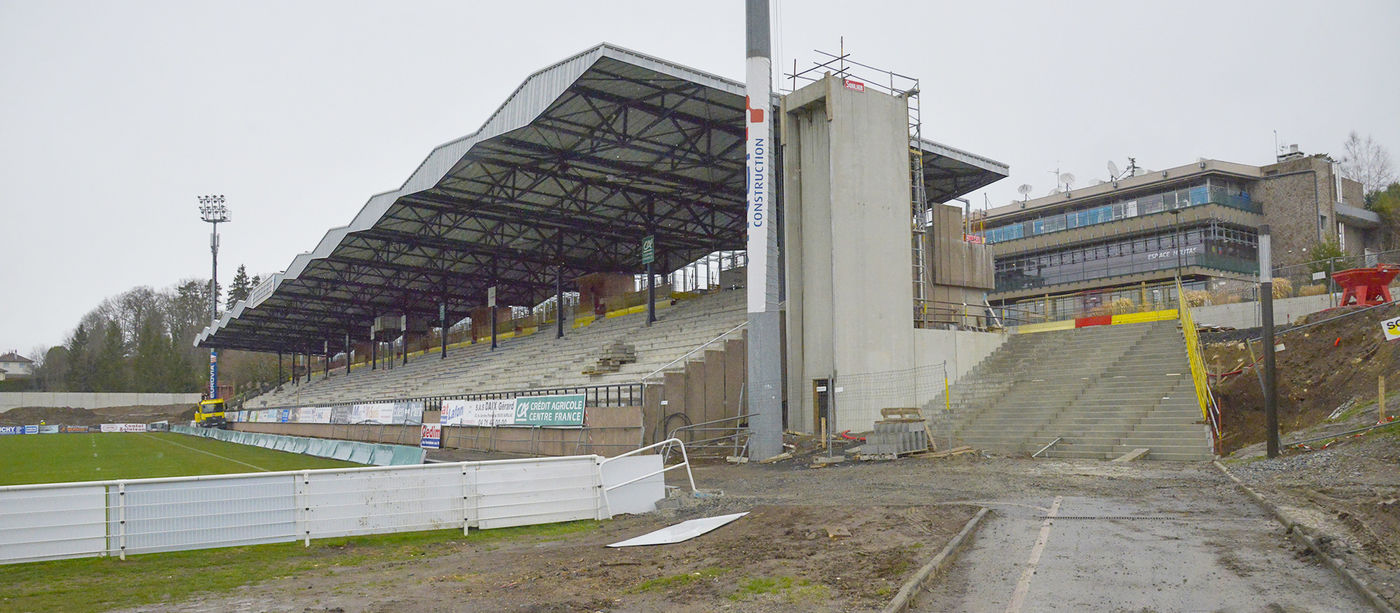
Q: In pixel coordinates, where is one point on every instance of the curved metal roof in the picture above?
(584, 159)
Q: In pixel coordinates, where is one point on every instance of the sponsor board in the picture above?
(1391, 328)
(432, 436)
(549, 410)
(31, 429)
(43, 429)
(484, 413)
(123, 427)
(11, 430)
(567, 410)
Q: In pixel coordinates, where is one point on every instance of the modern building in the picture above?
(1112, 241)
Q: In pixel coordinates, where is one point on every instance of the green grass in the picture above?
(99, 584)
(793, 591)
(673, 581)
(53, 458)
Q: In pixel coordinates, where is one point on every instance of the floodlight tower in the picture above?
(212, 210)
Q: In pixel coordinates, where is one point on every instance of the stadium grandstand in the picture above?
(599, 177)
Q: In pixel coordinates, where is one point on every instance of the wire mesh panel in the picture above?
(380, 501)
(154, 515)
(524, 492)
(51, 523)
(860, 397)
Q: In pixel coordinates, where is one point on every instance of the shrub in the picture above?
(1283, 288)
(1312, 290)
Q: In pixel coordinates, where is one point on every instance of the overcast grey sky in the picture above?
(114, 116)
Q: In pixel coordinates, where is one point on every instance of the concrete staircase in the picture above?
(1103, 391)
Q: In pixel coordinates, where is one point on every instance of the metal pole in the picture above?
(651, 294)
(326, 356)
(493, 327)
(764, 352)
(1331, 297)
(279, 368)
(559, 301)
(373, 352)
(1266, 306)
(442, 321)
(347, 354)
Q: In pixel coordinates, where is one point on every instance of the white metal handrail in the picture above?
(685, 461)
(690, 353)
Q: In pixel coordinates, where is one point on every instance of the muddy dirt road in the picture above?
(1149, 536)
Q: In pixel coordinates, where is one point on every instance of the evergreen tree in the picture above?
(149, 362)
(240, 288)
(78, 378)
(109, 365)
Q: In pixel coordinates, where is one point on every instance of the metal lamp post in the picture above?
(213, 210)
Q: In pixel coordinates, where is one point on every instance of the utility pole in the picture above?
(1266, 305)
(213, 211)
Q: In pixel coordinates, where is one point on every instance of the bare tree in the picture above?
(1367, 162)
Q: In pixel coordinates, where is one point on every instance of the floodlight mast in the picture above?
(213, 211)
(764, 384)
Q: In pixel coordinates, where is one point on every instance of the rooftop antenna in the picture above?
(1112, 171)
(1132, 167)
(1025, 188)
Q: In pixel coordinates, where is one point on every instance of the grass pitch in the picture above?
(53, 458)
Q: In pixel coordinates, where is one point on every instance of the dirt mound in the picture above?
(72, 416)
(1322, 368)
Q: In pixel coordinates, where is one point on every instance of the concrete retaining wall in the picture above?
(961, 349)
(1246, 314)
(91, 400)
(611, 431)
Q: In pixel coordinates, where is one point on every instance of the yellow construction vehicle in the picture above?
(210, 414)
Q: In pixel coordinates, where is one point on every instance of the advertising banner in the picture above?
(358, 414)
(11, 430)
(432, 436)
(31, 429)
(523, 411)
(340, 414)
(48, 429)
(409, 412)
(72, 429)
(484, 413)
(549, 410)
(123, 427)
(373, 413)
(315, 415)
(284, 415)
(1391, 328)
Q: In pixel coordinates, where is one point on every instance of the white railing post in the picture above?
(303, 501)
(121, 519)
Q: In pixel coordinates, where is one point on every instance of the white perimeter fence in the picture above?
(104, 518)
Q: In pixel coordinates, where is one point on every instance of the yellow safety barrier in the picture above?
(1048, 326)
(1198, 366)
(1142, 318)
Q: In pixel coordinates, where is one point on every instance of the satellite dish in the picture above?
(1112, 170)
(1067, 178)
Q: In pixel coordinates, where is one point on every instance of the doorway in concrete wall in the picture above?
(821, 402)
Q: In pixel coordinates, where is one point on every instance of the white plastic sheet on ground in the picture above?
(681, 532)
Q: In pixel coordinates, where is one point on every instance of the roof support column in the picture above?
(326, 355)
(559, 301)
(347, 354)
(493, 327)
(442, 321)
(403, 324)
(279, 368)
(373, 351)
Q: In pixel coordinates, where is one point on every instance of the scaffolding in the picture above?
(853, 73)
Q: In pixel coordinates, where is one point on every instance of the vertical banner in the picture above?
(213, 373)
(758, 184)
